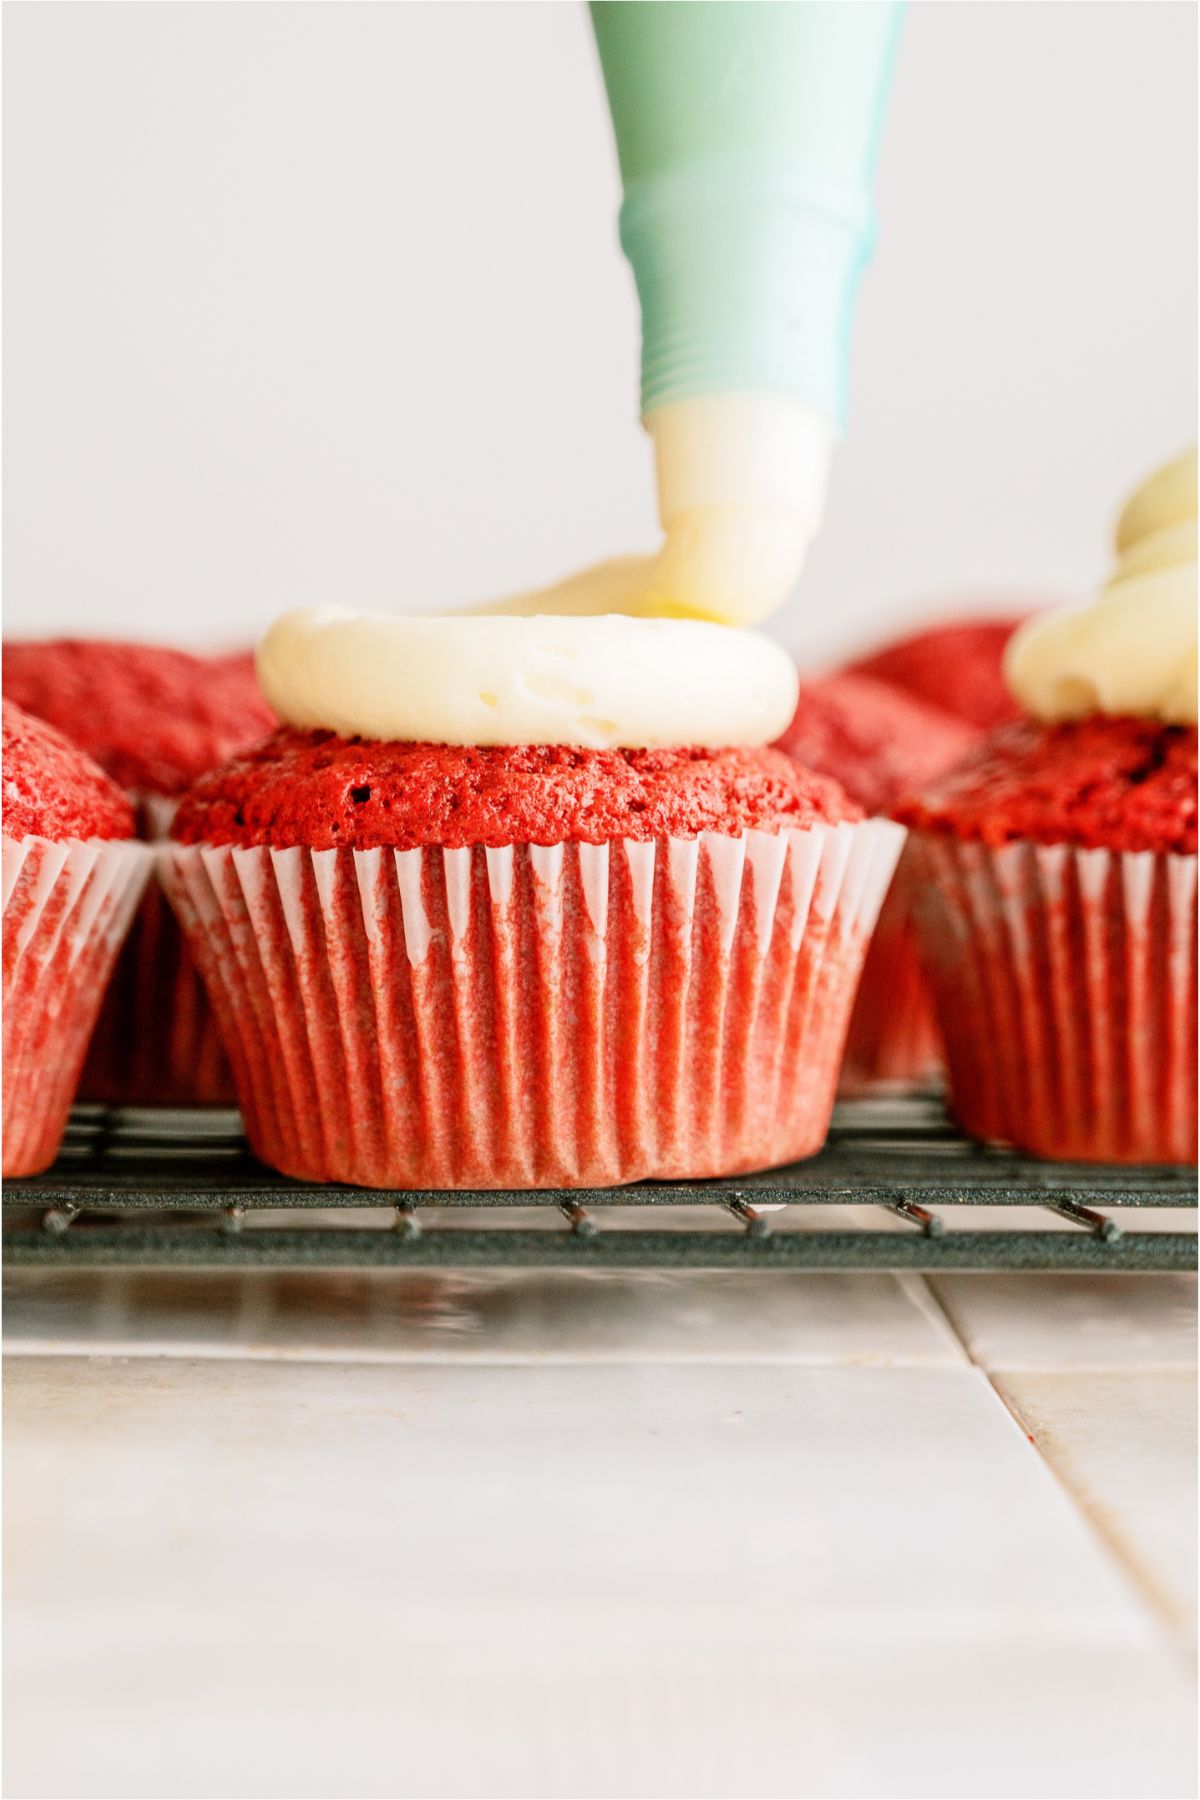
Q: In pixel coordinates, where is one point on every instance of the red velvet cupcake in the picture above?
(1058, 918)
(72, 878)
(956, 667)
(526, 965)
(1057, 909)
(154, 719)
(880, 744)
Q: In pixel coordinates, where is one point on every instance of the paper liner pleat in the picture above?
(893, 1035)
(535, 1016)
(1065, 981)
(67, 907)
(156, 1041)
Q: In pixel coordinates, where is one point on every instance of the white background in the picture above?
(324, 303)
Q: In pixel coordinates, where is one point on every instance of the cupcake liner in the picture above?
(893, 1034)
(66, 908)
(156, 1041)
(535, 1016)
(1065, 981)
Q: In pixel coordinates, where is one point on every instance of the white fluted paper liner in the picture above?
(893, 1035)
(1065, 981)
(67, 907)
(535, 1016)
(156, 1041)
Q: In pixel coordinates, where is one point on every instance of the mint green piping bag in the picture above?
(747, 135)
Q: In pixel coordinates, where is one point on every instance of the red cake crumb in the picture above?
(1098, 783)
(152, 717)
(878, 742)
(51, 790)
(322, 791)
(957, 668)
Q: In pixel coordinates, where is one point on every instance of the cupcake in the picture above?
(154, 719)
(1057, 910)
(956, 667)
(72, 878)
(879, 743)
(484, 914)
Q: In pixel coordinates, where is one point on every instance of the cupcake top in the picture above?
(322, 791)
(1099, 783)
(152, 717)
(877, 741)
(956, 668)
(449, 732)
(52, 790)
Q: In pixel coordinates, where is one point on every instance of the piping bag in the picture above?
(747, 135)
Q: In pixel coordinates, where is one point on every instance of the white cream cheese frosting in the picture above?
(604, 682)
(741, 490)
(1132, 650)
(639, 652)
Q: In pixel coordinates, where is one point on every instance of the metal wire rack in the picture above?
(157, 1187)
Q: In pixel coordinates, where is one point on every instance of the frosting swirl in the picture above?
(1132, 650)
(607, 682)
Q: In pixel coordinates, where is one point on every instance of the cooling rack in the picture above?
(896, 1187)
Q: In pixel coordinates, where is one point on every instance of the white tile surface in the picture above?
(401, 1533)
(1124, 1442)
(854, 1496)
(264, 1577)
(475, 1714)
(1073, 1321)
(501, 1316)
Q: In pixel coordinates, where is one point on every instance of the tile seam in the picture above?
(1165, 1619)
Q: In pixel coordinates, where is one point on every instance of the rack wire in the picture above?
(161, 1188)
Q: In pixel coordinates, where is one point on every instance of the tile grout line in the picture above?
(1158, 1602)
(1146, 1589)
(919, 1294)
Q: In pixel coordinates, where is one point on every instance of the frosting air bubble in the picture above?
(603, 682)
(1131, 650)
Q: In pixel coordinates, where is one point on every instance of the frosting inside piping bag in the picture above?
(741, 489)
